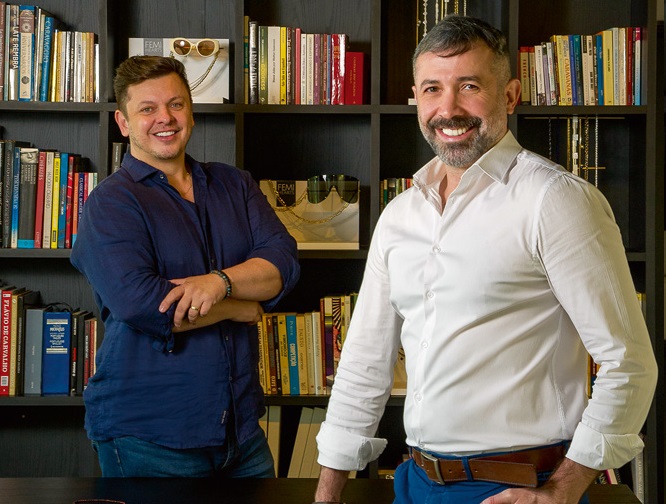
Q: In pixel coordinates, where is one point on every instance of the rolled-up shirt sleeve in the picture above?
(364, 376)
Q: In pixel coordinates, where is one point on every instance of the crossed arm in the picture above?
(253, 281)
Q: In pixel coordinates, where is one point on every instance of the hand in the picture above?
(523, 496)
(195, 296)
(244, 311)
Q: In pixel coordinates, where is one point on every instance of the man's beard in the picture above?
(463, 153)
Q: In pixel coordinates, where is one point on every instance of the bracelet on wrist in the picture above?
(227, 282)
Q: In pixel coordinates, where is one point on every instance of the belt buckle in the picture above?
(435, 462)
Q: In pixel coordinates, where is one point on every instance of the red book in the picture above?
(39, 203)
(69, 199)
(339, 49)
(356, 75)
(5, 337)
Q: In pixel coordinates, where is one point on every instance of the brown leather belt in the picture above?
(516, 468)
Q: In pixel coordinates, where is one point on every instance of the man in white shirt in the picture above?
(497, 273)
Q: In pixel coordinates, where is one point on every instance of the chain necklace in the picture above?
(290, 208)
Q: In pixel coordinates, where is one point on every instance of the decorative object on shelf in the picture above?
(206, 62)
(440, 11)
(320, 213)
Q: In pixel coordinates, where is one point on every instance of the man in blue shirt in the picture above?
(183, 258)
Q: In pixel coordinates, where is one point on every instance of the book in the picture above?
(13, 44)
(20, 301)
(576, 69)
(273, 65)
(319, 370)
(298, 451)
(282, 60)
(29, 161)
(339, 50)
(326, 310)
(65, 169)
(67, 211)
(5, 336)
(253, 62)
(356, 76)
(47, 219)
(77, 359)
(599, 67)
(55, 201)
(8, 188)
(15, 196)
(608, 72)
(39, 199)
(302, 355)
(310, 68)
(34, 327)
(57, 334)
(263, 64)
(26, 51)
(262, 364)
(267, 319)
(292, 353)
(45, 62)
(280, 327)
(539, 70)
(524, 72)
(336, 305)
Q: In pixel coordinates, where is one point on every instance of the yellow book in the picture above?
(263, 362)
(55, 208)
(283, 65)
(609, 79)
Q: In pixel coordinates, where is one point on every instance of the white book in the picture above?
(26, 51)
(318, 350)
(302, 350)
(310, 353)
(304, 69)
(538, 66)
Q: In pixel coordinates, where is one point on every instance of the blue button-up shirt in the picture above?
(136, 233)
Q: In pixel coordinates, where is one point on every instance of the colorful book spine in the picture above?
(57, 335)
(46, 59)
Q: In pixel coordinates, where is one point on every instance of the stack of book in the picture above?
(45, 349)
(42, 61)
(286, 66)
(390, 187)
(607, 68)
(42, 194)
(298, 352)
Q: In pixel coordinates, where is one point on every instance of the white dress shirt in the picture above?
(496, 299)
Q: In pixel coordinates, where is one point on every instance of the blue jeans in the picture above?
(412, 486)
(130, 457)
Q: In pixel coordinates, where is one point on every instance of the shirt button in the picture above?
(424, 344)
(417, 397)
(430, 294)
(436, 249)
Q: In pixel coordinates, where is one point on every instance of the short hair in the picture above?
(458, 34)
(137, 69)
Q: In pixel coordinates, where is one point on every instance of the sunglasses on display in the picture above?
(320, 186)
(205, 47)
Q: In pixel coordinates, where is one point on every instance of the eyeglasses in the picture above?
(205, 47)
(320, 186)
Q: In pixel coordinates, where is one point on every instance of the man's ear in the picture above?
(512, 94)
(122, 123)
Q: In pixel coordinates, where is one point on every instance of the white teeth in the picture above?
(454, 132)
(164, 133)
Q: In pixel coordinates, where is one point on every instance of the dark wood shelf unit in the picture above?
(373, 141)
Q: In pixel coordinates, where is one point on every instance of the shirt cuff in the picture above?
(345, 451)
(603, 451)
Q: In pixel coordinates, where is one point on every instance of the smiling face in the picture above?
(463, 101)
(158, 121)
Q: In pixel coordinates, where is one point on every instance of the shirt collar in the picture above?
(496, 163)
(139, 170)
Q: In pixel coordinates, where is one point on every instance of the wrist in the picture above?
(228, 288)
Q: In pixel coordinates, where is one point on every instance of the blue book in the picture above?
(16, 184)
(62, 197)
(572, 63)
(46, 59)
(292, 347)
(56, 352)
(598, 42)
